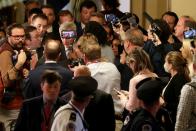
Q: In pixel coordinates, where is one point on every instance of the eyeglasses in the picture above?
(18, 37)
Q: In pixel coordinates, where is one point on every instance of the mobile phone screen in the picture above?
(111, 18)
(68, 34)
(190, 34)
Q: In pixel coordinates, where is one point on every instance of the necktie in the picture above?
(47, 113)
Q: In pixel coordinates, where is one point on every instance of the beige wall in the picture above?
(154, 8)
(157, 7)
(137, 8)
(184, 7)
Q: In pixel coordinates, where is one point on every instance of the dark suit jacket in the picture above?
(99, 114)
(55, 29)
(33, 87)
(172, 93)
(63, 61)
(79, 29)
(31, 114)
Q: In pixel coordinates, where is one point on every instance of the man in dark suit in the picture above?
(99, 113)
(37, 113)
(86, 9)
(52, 53)
(53, 25)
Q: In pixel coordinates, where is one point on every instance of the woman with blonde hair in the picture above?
(138, 60)
(87, 38)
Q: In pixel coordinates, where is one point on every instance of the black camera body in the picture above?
(8, 95)
(28, 54)
(130, 18)
(155, 29)
(114, 20)
(127, 18)
(76, 62)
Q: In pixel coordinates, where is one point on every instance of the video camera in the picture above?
(127, 18)
(76, 62)
(155, 28)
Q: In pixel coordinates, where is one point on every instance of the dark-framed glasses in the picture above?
(18, 37)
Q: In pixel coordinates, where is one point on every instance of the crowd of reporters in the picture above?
(99, 69)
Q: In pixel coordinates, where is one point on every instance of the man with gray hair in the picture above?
(68, 36)
(132, 38)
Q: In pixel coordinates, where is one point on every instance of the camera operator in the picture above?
(157, 45)
(14, 59)
(128, 21)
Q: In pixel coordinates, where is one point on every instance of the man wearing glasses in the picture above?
(13, 59)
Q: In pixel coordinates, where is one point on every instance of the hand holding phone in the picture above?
(114, 20)
(117, 91)
(121, 95)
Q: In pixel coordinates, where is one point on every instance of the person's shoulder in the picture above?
(146, 126)
(179, 78)
(61, 102)
(110, 67)
(38, 69)
(168, 47)
(62, 69)
(66, 109)
(137, 78)
(6, 53)
(148, 43)
(66, 71)
(67, 116)
(188, 89)
(144, 122)
(38, 98)
(34, 102)
(101, 95)
(71, 124)
(143, 125)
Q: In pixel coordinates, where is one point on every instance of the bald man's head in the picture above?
(52, 49)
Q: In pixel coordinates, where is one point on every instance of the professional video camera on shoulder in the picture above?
(155, 29)
(159, 30)
(128, 20)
